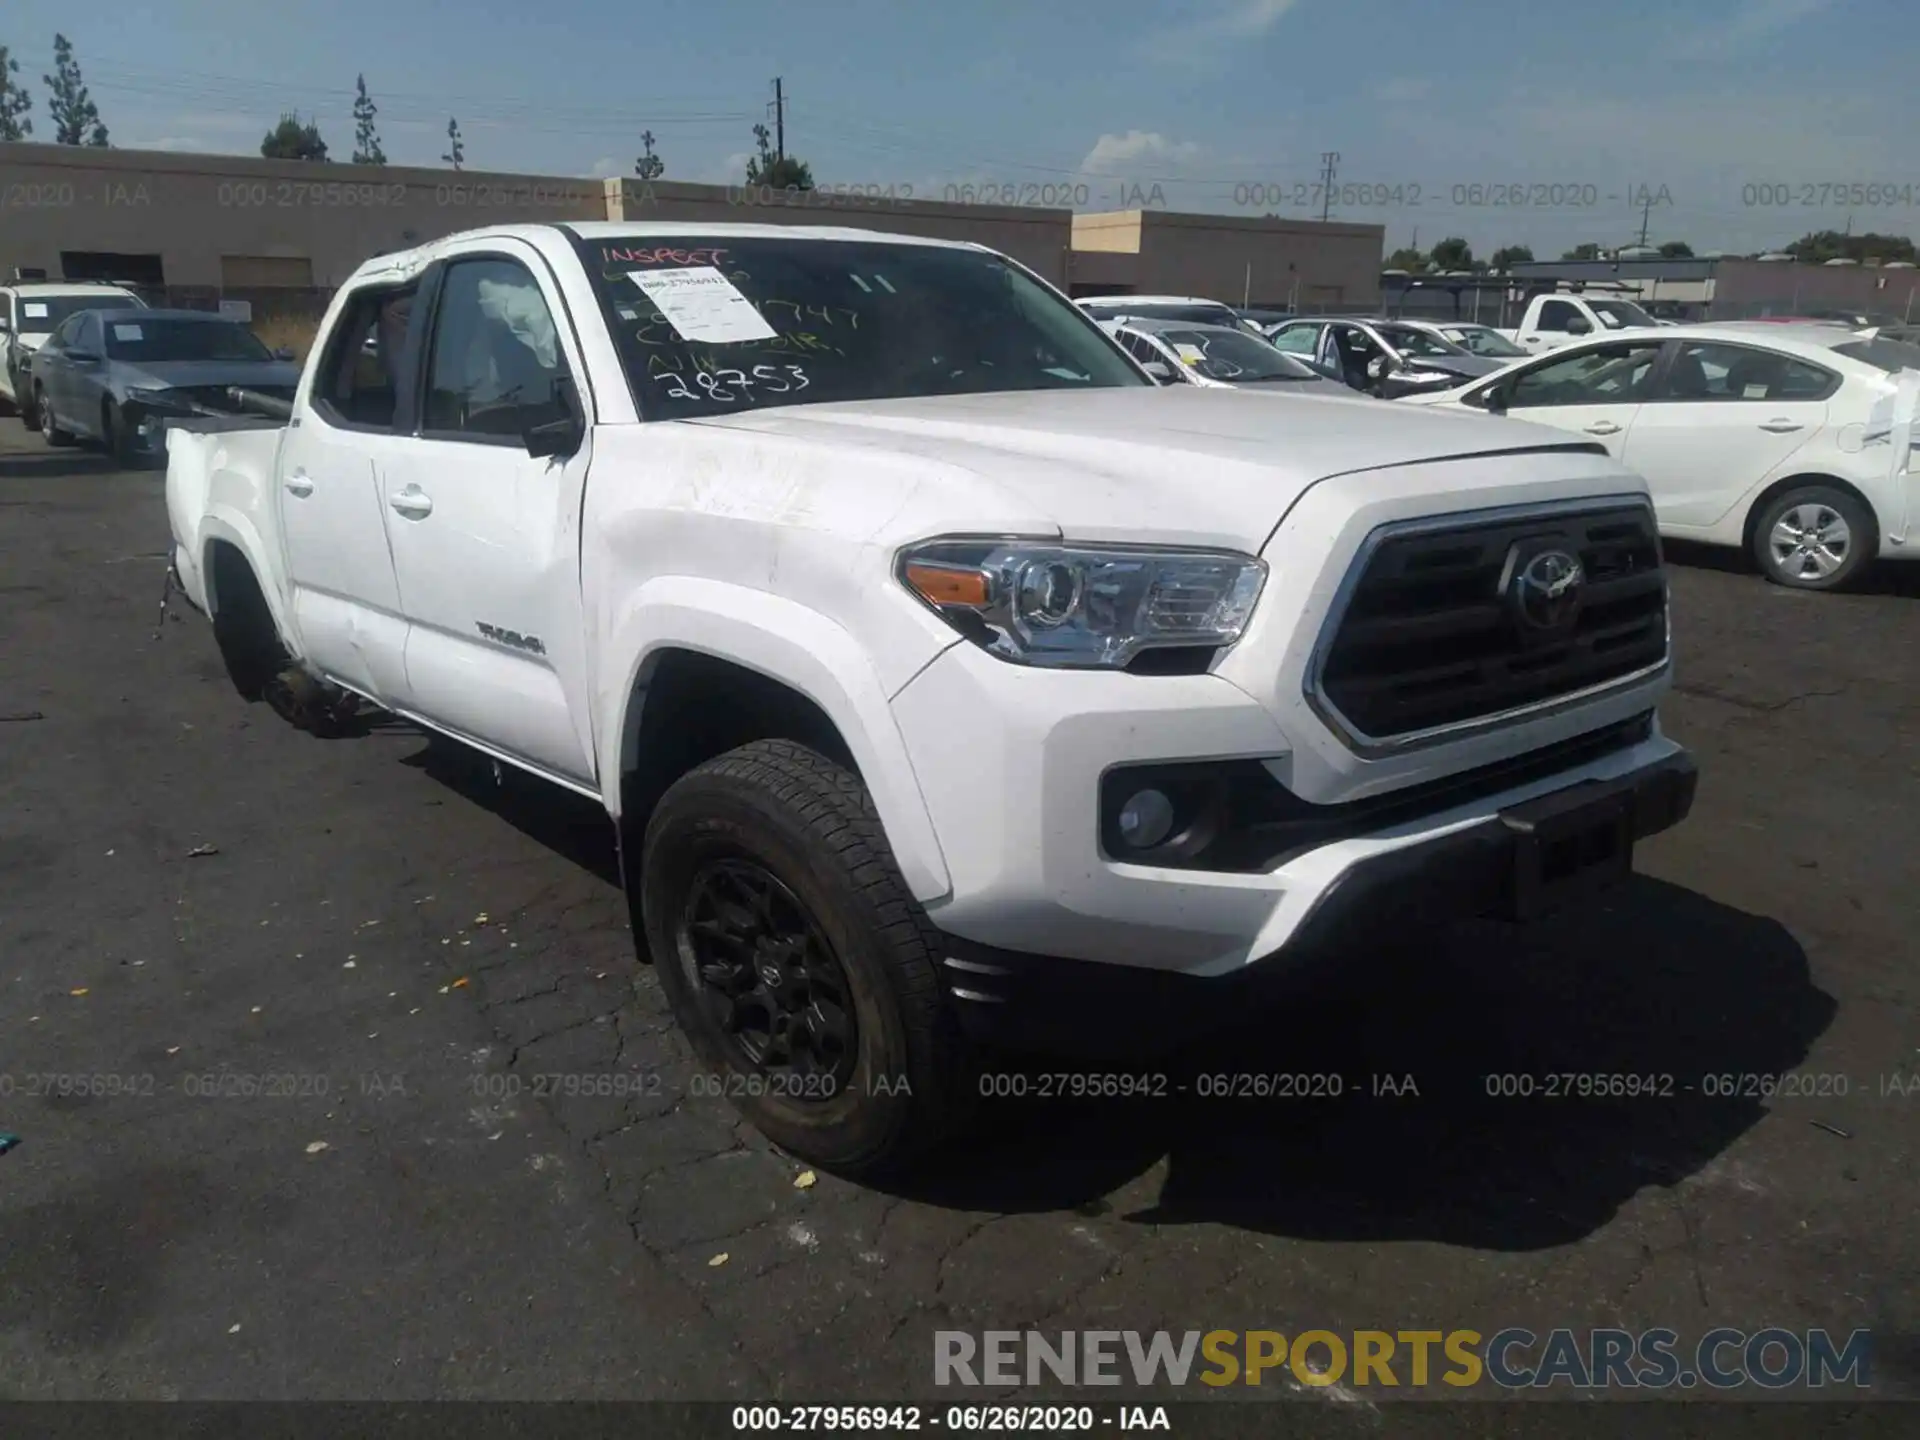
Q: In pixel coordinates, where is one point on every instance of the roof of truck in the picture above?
(419, 255)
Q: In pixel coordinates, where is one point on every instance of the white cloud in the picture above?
(1206, 40)
(730, 171)
(1753, 22)
(606, 166)
(1112, 154)
(1402, 90)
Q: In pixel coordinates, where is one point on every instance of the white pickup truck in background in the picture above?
(1560, 318)
(949, 684)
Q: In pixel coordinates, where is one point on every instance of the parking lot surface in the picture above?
(353, 1006)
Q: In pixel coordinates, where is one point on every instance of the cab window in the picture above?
(357, 384)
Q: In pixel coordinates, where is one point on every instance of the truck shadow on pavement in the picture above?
(1662, 984)
(1657, 985)
(1889, 577)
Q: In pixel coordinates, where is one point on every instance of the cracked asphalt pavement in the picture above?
(391, 1111)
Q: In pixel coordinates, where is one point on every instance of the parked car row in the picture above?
(108, 368)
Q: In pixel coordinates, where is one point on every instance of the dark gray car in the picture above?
(117, 376)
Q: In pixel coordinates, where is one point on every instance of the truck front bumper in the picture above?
(1519, 863)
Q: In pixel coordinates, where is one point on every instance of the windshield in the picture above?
(1410, 341)
(706, 327)
(147, 339)
(1887, 355)
(1232, 356)
(40, 314)
(1621, 314)
(1483, 340)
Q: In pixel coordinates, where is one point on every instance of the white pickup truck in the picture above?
(1560, 318)
(951, 686)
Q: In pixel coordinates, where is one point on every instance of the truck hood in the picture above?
(1188, 464)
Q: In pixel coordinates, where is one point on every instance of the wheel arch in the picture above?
(689, 649)
(1750, 526)
(227, 541)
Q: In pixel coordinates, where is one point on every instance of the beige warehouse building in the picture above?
(283, 234)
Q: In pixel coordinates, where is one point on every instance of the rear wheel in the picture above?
(258, 663)
(799, 966)
(49, 427)
(1814, 537)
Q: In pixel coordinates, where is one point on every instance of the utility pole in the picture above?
(1331, 159)
(779, 121)
(1646, 217)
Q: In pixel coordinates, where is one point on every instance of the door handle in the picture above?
(1781, 427)
(1605, 427)
(412, 502)
(299, 484)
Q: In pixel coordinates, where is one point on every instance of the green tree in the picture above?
(456, 148)
(76, 119)
(294, 139)
(1452, 253)
(1589, 251)
(366, 139)
(649, 166)
(1676, 250)
(1407, 258)
(1825, 245)
(1507, 256)
(782, 172)
(15, 102)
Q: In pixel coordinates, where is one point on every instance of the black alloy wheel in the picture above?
(768, 978)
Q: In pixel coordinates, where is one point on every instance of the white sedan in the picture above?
(1788, 441)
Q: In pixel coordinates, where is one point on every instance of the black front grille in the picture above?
(1428, 638)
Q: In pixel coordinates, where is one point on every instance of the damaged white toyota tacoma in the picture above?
(951, 686)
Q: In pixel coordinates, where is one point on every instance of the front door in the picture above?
(1595, 391)
(1721, 419)
(345, 600)
(485, 537)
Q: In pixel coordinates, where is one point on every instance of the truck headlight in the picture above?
(1089, 607)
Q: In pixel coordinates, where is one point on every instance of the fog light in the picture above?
(1146, 819)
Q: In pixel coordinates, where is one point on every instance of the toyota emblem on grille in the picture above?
(1545, 589)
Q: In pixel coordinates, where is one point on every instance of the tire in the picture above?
(1806, 510)
(49, 427)
(866, 1102)
(118, 440)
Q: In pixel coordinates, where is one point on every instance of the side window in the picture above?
(1555, 315)
(495, 365)
(1608, 375)
(87, 335)
(1298, 339)
(1735, 372)
(358, 380)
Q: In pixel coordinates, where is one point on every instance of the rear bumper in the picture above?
(1505, 867)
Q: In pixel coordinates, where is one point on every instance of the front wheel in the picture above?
(49, 426)
(799, 966)
(119, 438)
(1814, 537)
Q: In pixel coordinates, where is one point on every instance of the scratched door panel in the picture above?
(490, 583)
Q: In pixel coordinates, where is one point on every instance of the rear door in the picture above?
(486, 537)
(1593, 390)
(1719, 419)
(346, 602)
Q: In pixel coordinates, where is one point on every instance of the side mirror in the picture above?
(1579, 326)
(285, 352)
(1377, 367)
(1159, 370)
(562, 436)
(1497, 399)
(83, 357)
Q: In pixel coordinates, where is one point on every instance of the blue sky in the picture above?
(1218, 103)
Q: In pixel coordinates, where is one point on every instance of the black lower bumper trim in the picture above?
(1519, 865)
